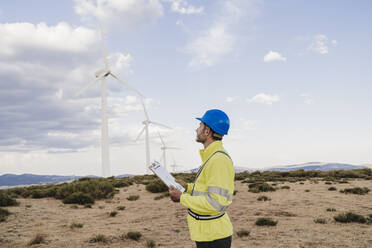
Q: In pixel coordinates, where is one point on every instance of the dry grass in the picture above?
(294, 210)
(37, 239)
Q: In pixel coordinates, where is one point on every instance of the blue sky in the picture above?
(294, 77)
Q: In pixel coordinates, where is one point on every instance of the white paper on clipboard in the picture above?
(165, 176)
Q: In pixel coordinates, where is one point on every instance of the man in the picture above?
(211, 193)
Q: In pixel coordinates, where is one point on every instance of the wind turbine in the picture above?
(174, 165)
(145, 129)
(101, 76)
(164, 148)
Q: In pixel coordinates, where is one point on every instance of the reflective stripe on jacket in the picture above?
(212, 195)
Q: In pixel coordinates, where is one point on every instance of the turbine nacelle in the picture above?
(102, 73)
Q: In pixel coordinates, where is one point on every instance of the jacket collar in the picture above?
(212, 148)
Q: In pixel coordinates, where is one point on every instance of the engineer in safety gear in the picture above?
(209, 196)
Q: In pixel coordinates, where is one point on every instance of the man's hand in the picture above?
(174, 194)
(183, 184)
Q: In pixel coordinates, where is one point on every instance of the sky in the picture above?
(294, 78)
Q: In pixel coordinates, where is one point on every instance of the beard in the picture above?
(200, 139)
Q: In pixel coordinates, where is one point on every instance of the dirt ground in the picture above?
(165, 222)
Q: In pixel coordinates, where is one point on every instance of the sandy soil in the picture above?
(165, 222)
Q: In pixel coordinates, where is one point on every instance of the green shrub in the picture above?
(37, 193)
(78, 198)
(369, 218)
(263, 198)
(133, 198)
(356, 190)
(329, 183)
(260, 187)
(350, 217)
(235, 191)
(98, 238)
(121, 208)
(76, 225)
(121, 183)
(150, 243)
(96, 188)
(266, 222)
(6, 200)
(166, 194)
(134, 235)
(37, 239)
(320, 220)
(285, 187)
(241, 176)
(113, 213)
(156, 186)
(4, 213)
(331, 209)
(243, 233)
(343, 181)
(307, 190)
(332, 189)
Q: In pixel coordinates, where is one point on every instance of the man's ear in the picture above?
(208, 130)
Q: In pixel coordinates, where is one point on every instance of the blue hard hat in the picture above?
(217, 120)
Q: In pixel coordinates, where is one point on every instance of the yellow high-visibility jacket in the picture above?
(211, 195)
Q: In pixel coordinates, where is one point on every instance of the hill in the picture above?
(317, 166)
(301, 204)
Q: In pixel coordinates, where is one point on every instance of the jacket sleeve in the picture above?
(189, 187)
(220, 182)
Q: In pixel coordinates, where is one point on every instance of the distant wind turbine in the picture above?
(174, 165)
(145, 129)
(164, 148)
(101, 76)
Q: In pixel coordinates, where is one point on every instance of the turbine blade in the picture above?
(139, 135)
(144, 109)
(103, 47)
(126, 84)
(162, 141)
(159, 124)
(87, 86)
(135, 90)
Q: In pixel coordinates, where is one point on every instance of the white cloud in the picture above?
(264, 99)
(308, 99)
(183, 7)
(215, 43)
(249, 124)
(20, 37)
(120, 62)
(273, 56)
(130, 99)
(320, 44)
(41, 69)
(59, 94)
(129, 13)
(208, 49)
(230, 98)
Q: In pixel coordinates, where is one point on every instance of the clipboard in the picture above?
(165, 176)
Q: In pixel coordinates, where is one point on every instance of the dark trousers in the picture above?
(218, 243)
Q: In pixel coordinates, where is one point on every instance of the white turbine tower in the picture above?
(101, 76)
(145, 129)
(164, 148)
